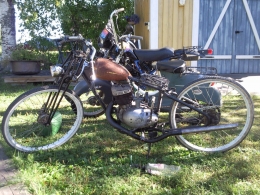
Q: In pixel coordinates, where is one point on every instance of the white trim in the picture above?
(154, 24)
(248, 57)
(251, 20)
(217, 24)
(195, 27)
(182, 2)
(217, 57)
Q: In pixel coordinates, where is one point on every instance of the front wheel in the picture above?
(24, 124)
(225, 102)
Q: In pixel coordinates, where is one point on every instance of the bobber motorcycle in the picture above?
(48, 116)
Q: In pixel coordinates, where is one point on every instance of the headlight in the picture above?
(56, 71)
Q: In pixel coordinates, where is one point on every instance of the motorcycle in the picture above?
(170, 64)
(48, 116)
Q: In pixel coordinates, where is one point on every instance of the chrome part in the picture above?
(209, 128)
(137, 117)
(43, 118)
(56, 71)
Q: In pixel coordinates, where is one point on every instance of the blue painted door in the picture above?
(231, 28)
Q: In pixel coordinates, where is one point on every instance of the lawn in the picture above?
(100, 160)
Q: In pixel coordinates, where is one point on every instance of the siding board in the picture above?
(221, 43)
(170, 23)
(175, 23)
(175, 28)
(165, 22)
(226, 41)
(142, 9)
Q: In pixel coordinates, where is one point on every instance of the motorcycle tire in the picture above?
(23, 127)
(90, 103)
(225, 101)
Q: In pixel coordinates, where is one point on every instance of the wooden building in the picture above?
(230, 27)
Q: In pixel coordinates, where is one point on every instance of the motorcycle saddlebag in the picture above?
(175, 66)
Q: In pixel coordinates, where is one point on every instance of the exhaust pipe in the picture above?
(169, 132)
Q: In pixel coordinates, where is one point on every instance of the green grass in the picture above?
(98, 159)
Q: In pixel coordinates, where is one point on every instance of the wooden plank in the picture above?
(190, 21)
(165, 23)
(186, 24)
(180, 27)
(23, 79)
(175, 21)
(43, 76)
(142, 9)
(175, 24)
(169, 42)
(187, 31)
(160, 24)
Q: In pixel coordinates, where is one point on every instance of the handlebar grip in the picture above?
(68, 38)
(120, 10)
(136, 37)
(75, 38)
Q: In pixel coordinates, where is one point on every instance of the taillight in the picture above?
(210, 51)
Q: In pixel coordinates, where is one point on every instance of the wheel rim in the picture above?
(24, 133)
(235, 107)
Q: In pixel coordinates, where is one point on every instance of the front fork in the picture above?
(53, 101)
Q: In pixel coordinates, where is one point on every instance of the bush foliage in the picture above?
(43, 18)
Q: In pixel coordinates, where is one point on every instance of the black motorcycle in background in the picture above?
(126, 51)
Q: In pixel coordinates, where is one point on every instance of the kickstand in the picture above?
(149, 150)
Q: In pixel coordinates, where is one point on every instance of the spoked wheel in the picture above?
(225, 102)
(25, 126)
(91, 105)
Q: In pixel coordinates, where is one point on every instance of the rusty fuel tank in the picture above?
(108, 70)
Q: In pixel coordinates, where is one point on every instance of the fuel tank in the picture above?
(108, 70)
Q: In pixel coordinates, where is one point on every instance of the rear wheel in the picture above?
(24, 124)
(225, 101)
(91, 105)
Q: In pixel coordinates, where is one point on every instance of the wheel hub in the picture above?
(93, 101)
(43, 118)
(214, 116)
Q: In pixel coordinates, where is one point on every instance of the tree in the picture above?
(75, 16)
(38, 17)
(7, 18)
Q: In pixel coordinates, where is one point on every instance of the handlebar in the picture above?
(129, 36)
(82, 55)
(75, 38)
(120, 10)
(116, 12)
(68, 38)
(136, 37)
(78, 38)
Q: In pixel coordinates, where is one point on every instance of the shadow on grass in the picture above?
(101, 156)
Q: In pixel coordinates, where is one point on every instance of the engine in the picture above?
(137, 110)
